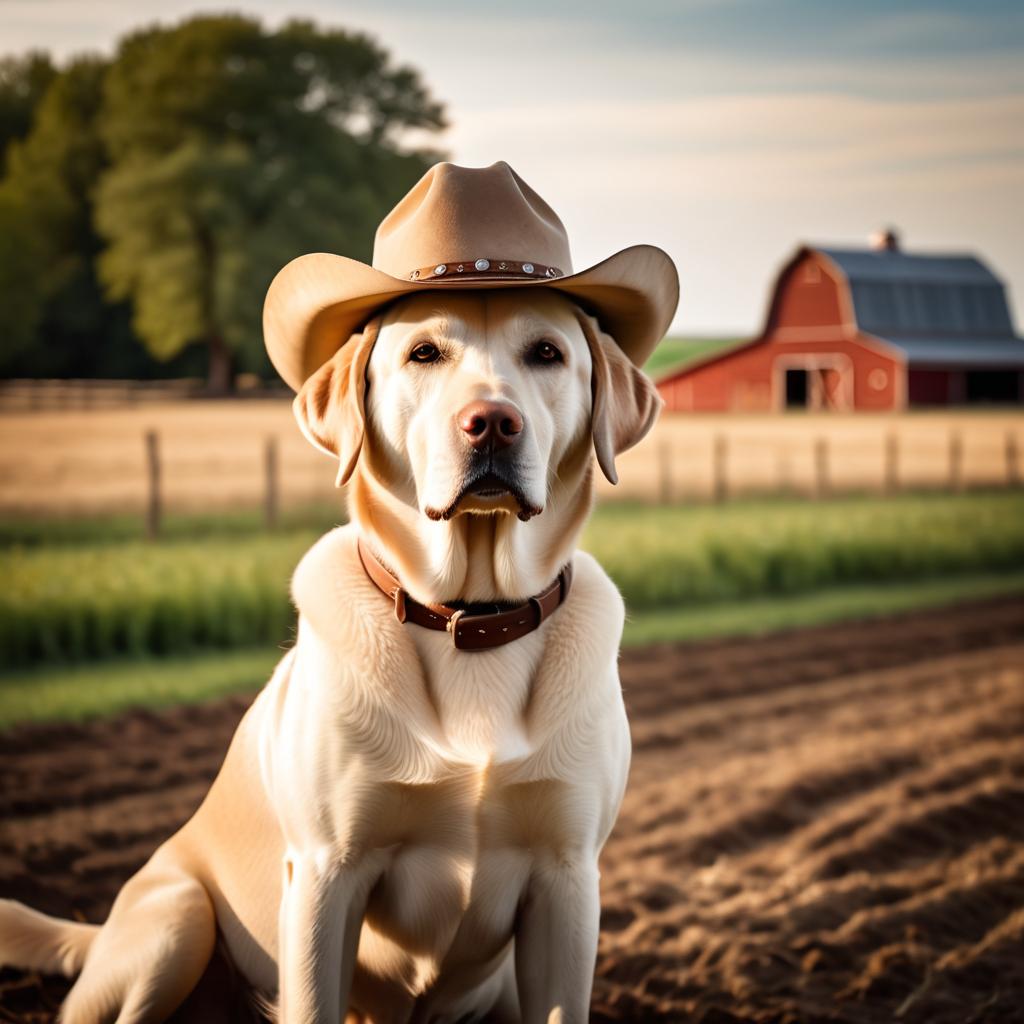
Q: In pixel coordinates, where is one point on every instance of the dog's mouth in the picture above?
(488, 491)
(490, 485)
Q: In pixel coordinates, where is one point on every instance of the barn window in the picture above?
(877, 379)
(812, 273)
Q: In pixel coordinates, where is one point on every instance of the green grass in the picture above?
(70, 694)
(696, 555)
(33, 531)
(674, 353)
(89, 601)
(839, 604)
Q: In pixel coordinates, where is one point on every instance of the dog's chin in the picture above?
(488, 494)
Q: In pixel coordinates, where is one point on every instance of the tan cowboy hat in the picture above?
(462, 227)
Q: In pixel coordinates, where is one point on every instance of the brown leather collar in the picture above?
(470, 631)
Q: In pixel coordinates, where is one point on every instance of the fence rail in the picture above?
(66, 395)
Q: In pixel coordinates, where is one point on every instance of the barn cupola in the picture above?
(885, 240)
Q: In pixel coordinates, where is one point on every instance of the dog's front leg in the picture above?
(321, 915)
(556, 941)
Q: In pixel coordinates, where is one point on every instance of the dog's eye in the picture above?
(425, 353)
(544, 352)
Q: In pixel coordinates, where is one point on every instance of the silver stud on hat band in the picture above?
(484, 267)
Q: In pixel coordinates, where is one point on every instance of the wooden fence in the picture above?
(151, 458)
(717, 458)
(725, 483)
(66, 395)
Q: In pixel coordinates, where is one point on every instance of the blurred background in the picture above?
(821, 544)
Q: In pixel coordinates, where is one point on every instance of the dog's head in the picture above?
(470, 402)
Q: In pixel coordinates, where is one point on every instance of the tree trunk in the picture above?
(221, 376)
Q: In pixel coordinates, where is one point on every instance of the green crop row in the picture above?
(664, 556)
(74, 604)
(87, 601)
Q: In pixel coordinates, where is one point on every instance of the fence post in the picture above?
(1012, 460)
(956, 460)
(270, 496)
(821, 480)
(153, 505)
(892, 462)
(720, 468)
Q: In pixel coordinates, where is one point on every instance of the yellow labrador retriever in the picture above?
(402, 829)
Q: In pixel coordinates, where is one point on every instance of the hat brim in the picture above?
(318, 301)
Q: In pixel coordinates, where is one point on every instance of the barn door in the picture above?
(797, 389)
(817, 384)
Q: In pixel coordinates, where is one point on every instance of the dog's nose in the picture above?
(491, 424)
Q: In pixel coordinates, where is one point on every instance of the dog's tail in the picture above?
(34, 941)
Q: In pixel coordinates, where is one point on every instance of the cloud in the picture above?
(777, 146)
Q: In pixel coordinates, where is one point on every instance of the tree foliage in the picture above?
(234, 149)
(175, 179)
(23, 82)
(21, 259)
(63, 325)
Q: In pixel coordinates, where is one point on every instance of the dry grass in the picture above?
(82, 461)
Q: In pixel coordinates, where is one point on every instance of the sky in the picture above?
(725, 131)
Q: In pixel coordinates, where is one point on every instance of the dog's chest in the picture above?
(455, 879)
(481, 700)
(457, 873)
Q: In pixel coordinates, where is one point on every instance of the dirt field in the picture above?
(820, 826)
(213, 455)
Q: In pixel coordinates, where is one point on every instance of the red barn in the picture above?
(866, 329)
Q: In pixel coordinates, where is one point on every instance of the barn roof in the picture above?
(896, 265)
(993, 353)
(896, 293)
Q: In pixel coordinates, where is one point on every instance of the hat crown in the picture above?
(460, 214)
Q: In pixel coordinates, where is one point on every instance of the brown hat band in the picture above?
(486, 268)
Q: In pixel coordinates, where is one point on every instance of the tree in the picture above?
(23, 82)
(64, 325)
(20, 261)
(234, 149)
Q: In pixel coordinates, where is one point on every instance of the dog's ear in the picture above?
(331, 405)
(625, 401)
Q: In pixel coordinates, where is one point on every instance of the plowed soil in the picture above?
(825, 825)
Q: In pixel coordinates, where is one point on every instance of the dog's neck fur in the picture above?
(475, 557)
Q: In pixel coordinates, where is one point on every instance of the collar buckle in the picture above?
(452, 623)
